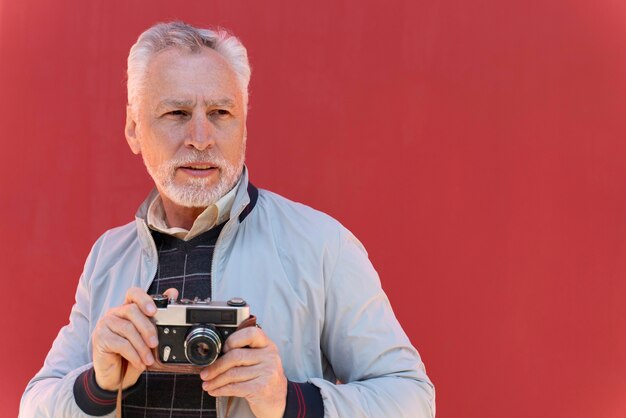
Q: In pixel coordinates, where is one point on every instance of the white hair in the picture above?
(183, 36)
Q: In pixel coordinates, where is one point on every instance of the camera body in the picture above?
(192, 332)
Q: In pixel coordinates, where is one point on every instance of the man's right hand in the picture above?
(125, 331)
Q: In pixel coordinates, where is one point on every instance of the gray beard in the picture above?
(196, 193)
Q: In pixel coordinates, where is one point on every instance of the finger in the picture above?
(140, 298)
(234, 358)
(113, 344)
(251, 337)
(234, 375)
(127, 331)
(140, 322)
(238, 389)
(171, 293)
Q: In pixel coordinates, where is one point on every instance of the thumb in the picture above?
(171, 293)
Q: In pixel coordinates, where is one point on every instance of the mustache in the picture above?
(196, 156)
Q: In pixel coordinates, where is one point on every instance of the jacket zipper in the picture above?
(223, 232)
(155, 255)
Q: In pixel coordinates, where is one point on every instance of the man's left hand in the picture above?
(249, 367)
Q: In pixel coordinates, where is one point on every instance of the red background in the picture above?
(476, 148)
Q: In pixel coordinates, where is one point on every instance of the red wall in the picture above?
(476, 147)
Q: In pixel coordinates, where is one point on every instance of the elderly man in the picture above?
(329, 343)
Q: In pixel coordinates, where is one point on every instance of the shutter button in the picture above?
(236, 302)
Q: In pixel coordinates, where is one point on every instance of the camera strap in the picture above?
(118, 402)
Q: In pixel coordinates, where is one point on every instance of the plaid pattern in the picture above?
(186, 266)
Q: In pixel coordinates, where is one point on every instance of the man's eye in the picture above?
(177, 113)
(220, 112)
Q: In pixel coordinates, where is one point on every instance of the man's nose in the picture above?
(201, 132)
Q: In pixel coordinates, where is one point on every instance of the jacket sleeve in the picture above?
(50, 392)
(381, 373)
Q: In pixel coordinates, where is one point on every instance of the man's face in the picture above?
(189, 126)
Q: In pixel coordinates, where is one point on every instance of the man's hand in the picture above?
(250, 368)
(125, 331)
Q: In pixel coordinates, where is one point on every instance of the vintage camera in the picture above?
(191, 332)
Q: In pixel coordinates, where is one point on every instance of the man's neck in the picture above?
(178, 216)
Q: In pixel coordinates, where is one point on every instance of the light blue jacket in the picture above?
(306, 278)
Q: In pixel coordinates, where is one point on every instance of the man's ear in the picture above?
(131, 130)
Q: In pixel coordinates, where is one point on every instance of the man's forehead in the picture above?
(180, 78)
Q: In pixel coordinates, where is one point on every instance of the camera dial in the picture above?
(160, 301)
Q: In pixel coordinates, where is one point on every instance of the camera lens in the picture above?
(202, 345)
